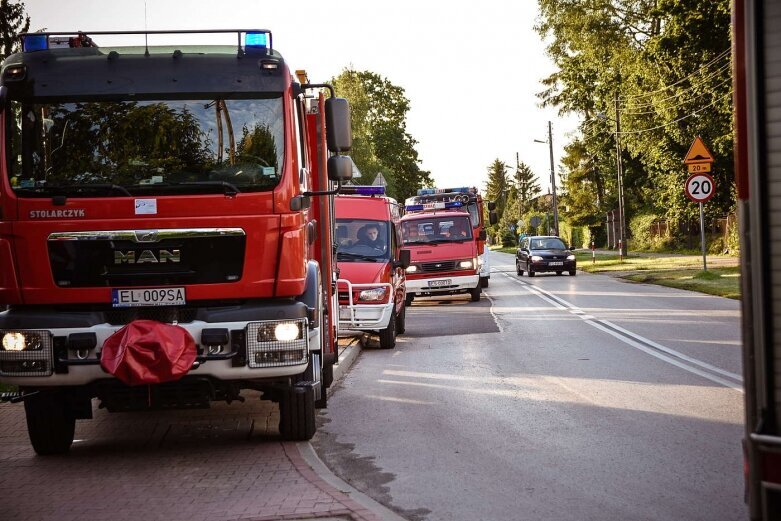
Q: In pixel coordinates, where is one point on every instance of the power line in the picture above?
(694, 113)
(678, 105)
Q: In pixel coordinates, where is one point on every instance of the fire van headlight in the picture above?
(412, 268)
(466, 264)
(372, 295)
(21, 341)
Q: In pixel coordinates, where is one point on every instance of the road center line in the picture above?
(639, 342)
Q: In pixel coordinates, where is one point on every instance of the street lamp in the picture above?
(552, 179)
(620, 175)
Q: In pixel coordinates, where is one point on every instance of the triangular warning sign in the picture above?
(698, 153)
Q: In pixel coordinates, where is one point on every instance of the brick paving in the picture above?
(220, 464)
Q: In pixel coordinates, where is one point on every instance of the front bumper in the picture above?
(364, 316)
(442, 284)
(548, 266)
(64, 362)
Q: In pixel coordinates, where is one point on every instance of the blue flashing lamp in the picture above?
(363, 190)
(426, 191)
(35, 42)
(414, 208)
(454, 204)
(256, 41)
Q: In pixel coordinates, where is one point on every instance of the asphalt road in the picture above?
(567, 398)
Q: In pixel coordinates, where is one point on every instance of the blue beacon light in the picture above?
(256, 40)
(35, 42)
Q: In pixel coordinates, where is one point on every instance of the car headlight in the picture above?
(570, 257)
(536, 258)
(412, 268)
(371, 295)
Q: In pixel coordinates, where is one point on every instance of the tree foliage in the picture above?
(381, 142)
(13, 21)
(668, 62)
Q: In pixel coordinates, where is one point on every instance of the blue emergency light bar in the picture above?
(432, 206)
(35, 42)
(255, 40)
(433, 191)
(362, 190)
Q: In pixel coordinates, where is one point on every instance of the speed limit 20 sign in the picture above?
(699, 187)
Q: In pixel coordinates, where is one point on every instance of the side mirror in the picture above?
(482, 236)
(492, 217)
(340, 168)
(405, 258)
(339, 135)
(491, 206)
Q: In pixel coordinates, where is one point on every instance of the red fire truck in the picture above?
(443, 249)
(165, 228)
(371, 262)
(472, 202)
(756, 69)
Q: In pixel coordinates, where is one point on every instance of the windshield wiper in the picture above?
(357, 256)
(228, 188)
(65, 190)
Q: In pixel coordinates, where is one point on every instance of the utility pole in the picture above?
(552, 179)
(620, 174)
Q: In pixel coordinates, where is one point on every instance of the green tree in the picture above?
(668, 61)
(497, 188)
(526, 184)
(381, 142)
(13, 21)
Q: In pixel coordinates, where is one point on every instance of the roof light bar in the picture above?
(362, 190)
(433, 206)
(256, 40)
(459, 189)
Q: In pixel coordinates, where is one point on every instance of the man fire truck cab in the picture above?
(444, 252)
(165, 228)
(371, 262)
(472, 202)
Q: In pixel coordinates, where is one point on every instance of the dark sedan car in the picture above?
(537, 253)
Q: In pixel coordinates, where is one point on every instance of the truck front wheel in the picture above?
(474, 294)
(50, 422)
(297, 414)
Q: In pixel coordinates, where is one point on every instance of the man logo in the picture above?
(147, 257)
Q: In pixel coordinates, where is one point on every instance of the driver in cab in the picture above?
(371, 237)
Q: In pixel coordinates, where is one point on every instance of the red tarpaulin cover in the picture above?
(148, 352)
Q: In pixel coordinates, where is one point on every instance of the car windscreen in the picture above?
(548, 243)
(145, 147)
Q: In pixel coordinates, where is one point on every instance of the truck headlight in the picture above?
(372, 295)
(287, 331)
(412, 268)
(21, 341)
(465, 264)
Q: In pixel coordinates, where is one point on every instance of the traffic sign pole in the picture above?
(702, 237)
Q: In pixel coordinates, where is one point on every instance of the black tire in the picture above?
(484, 282)
(408, 299)
(401, 321)
(388, 335)
(297, 414)
(474, 294)
(572, 273)
(50, 422)
(531, 273)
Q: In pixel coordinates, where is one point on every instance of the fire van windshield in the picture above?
(149, 147)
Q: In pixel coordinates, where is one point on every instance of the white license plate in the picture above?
(126, 298)
(556, 263)
(439, 283)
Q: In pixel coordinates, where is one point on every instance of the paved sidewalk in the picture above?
(220, 464)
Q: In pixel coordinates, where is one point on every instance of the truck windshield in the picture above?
(437, 229)
(149, 147)
(361, 240)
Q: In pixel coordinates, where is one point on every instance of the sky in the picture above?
(471, 70)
